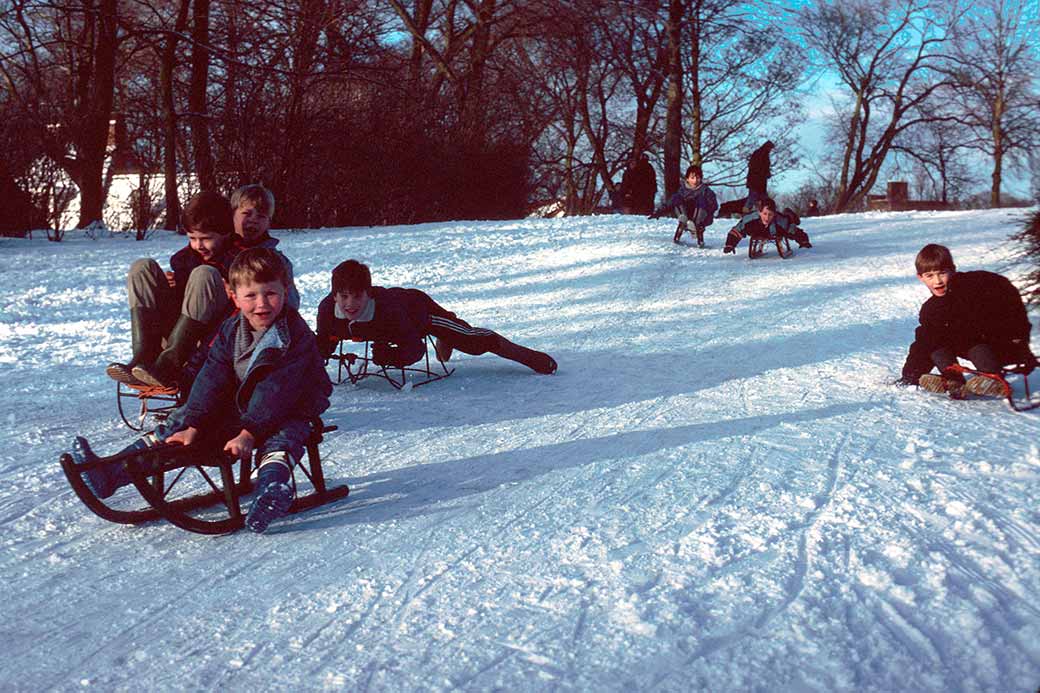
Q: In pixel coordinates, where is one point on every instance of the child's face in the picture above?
(767, 215)
(937, 281)
(351, 303)
(206, 243)
(693, 180)
(251, 222)
(260, 302)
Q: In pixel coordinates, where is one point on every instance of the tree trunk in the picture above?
(97, 91)
(673, 121)
(204, 167)
(167, 67)
(695, 83)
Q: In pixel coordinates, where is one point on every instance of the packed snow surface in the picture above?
(719, 490)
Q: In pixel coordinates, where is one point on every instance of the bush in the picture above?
(1029, 236)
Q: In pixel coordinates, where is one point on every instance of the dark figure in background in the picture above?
(639, 187)
(813, 210)
(757, 175)
(974, 315)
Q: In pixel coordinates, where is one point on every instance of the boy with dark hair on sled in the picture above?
(767, 223)
(975, 315)
(262, 385)
(397, 322)
(186, 305)
(695, 205)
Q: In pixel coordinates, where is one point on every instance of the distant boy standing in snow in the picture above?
(262, 385)
(695, 204)
(975, 315)
(765, 223)
(397, 322)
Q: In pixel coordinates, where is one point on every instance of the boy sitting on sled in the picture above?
(262, 385)
(975, 315)
(695, 205)
(186, 305)
(766, 223)
(397, 322)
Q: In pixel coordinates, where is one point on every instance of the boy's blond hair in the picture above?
(257, 194)
(257, 265)
(934, 258)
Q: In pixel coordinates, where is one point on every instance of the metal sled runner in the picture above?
(757, 246)
(1028, 401)
(357, 367)
(194, 489)
(153, 404)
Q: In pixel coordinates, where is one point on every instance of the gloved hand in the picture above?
(728, 249)
(905, 381)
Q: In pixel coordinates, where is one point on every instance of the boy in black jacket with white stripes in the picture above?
(398, 320)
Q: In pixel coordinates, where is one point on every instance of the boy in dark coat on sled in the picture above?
(695, 204)
(976, 315)
(766, 223)
(397, 322)
(262, 385)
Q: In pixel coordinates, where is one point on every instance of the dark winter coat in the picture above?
(285, 380)
(400, 317)
(758, 169)
(185, 260)
(700, 198)
(978, 308)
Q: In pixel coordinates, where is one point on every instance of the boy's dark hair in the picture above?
(934, 258)
(210, 212)
(767, 203)
(257, 265)
(694, 168)
(261, 197)
(351, 277)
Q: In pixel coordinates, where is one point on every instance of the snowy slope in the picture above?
(718, 490)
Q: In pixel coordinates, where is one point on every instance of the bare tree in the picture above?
(888, 55)
(994, 66)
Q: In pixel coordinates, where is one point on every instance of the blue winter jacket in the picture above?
(285, 379)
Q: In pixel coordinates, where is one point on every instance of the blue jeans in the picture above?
(290, 437)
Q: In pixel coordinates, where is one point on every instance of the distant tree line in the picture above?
(393, 111)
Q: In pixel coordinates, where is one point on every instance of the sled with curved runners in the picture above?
(194, 490)
(757, 246)
(358, 366)
(153, 404)
(1027, 401)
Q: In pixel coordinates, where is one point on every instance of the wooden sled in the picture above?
(357, 367)
(1027, 401)
(192, 489)
(757, 246)
(153, 404)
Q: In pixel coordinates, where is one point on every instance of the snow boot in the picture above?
(537, 361)
(679, 232)
(700, 237)
(104, 480)
(274, 495)
(181, 344)
(951, 384)
(146, 341)
(982, 386)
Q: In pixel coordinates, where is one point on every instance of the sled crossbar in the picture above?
(1028, 401)
(154, 404)
(168, 478)
(757, 246)
(356, 367)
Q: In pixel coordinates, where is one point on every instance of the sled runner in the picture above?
(192, 489)
(357, 367)
(153, 404)
(757, 246)
(1027, 401)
